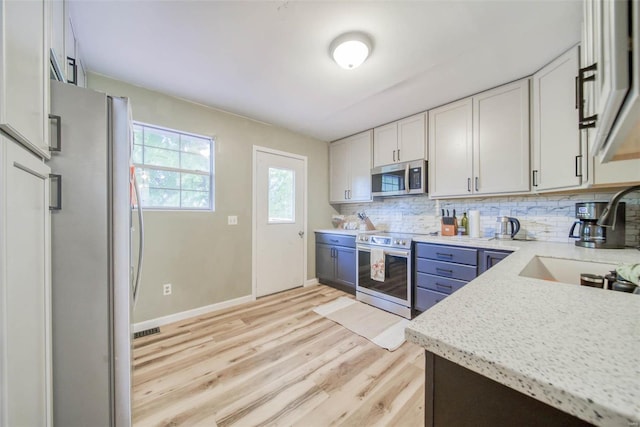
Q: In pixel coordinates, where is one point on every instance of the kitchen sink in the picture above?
(562, 269)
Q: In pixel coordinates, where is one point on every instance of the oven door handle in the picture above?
(404, 254)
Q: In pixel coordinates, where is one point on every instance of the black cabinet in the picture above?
(487, 258)
(457, 396)
(336, 263)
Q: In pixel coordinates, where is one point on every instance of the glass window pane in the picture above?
(192, 181)
(137, 134)
(160, 157)
(281, 195)
(195, 199)
(160, 198)
(158, 178)
(193, 144)
(195, 162)
(174, 170)
(161, 138)
(136, 155)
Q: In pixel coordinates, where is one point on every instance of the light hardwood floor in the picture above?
(274, 362)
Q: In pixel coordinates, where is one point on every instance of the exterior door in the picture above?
(280, 221)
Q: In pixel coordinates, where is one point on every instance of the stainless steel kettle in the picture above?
(506, 227)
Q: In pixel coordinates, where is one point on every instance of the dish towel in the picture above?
(630, 272)
(377, 264)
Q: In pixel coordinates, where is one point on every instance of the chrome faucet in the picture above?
(608, 217)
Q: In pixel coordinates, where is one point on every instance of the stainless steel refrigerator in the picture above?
(92, 276)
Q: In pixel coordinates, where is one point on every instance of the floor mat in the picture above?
(378, 326)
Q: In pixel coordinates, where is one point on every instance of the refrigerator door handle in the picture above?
(136, 286)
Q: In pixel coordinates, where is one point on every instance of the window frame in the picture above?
(210, 174)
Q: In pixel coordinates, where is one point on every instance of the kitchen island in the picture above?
(571, 347)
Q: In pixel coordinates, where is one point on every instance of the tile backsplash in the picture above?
(542, 217)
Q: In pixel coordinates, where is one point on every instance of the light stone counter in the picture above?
(342, 231)
(573, 347)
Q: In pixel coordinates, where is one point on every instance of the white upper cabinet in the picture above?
(385, 144)
(350, 169)
(501, 139)
(58, 26)
(480, 145)
(401, 141)
(24, 73)
(451, 149)
(608, 83)
(559, 161)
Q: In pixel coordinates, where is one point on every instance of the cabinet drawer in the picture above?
(447, 253)
(438, 283)
(336, 240)
(426, 299)
(446, 269)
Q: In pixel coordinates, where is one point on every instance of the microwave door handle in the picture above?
(407, 186)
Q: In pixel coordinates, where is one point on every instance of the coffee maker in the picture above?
(592, 235)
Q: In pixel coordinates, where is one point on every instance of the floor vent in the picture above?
(146, 332)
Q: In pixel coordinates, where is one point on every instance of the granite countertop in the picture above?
(343, 231)
(573, 347)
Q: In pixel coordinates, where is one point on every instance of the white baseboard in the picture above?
(148, 324)
(311, 282)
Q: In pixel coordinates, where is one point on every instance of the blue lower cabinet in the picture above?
(441, 270)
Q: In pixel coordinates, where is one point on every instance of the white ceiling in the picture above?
(269, 60)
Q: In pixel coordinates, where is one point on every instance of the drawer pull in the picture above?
(443, 254)
(444, 270)
(334, 240)
(439, 285)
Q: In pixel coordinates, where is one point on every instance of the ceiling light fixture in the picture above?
(350, 50)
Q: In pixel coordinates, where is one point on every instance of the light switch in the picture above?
(232, 220)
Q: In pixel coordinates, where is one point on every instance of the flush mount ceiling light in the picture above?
(350, 50)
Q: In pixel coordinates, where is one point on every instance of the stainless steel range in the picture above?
(384, 271)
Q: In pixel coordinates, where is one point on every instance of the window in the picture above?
(175, 170)
(281, 196)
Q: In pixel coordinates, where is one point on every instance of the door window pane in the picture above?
(281, 195)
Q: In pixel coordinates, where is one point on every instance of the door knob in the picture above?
(300, 233)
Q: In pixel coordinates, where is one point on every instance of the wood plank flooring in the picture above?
(274, 362)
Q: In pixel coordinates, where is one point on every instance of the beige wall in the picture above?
(206, 260)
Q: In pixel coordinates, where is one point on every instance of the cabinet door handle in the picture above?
(55, 195)
(345, 194)
(394, 155)
(477, 184)
(585, 122)
(579, 165)
(444, 254)
(439, 285)
(534, 178)
(444, 270)
(469, 185)
(58, 120)
(577, 92)
(398, 154)
(72, 61)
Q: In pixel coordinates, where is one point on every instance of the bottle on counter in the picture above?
(464, 224)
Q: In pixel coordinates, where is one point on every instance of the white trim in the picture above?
(311, 282)
(148, 324)
(254, 222)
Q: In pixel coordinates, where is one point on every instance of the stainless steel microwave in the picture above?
(399, 179)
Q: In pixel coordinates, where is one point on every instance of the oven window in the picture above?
(395, 275)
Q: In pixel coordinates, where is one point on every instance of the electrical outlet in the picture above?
(232, 220)
(166, 289)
